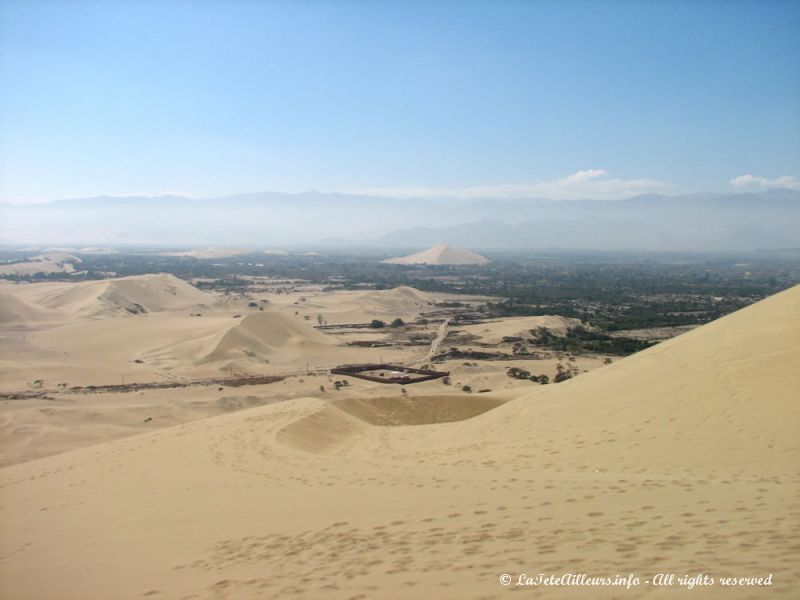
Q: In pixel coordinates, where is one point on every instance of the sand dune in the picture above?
(358, 307)
(126, 295)
(51, 262)
(494, 331)
(681, 459)
(721, 396)
(441, 254)
(263, 334)
(14, 310)
(402, 299)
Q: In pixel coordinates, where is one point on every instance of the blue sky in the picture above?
(560, 99)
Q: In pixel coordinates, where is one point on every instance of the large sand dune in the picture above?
(721, 396)
(110, 297)
(681, 459)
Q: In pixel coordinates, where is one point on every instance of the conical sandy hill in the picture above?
(679, 460)
(441, 254)
(263, 334)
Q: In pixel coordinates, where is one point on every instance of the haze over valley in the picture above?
(697, 222)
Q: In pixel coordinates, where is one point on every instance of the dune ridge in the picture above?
(136, 294)
(15, 310)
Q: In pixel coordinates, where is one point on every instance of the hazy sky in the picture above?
(462, 98)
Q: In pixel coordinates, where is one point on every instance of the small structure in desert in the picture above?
(388, 373)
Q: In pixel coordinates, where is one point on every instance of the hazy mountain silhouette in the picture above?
(650, 222)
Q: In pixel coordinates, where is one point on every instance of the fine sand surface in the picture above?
(681, 459)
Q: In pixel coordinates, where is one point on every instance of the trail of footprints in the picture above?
(488, 539)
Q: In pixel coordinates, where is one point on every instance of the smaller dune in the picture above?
(233, 403)
(265, 334)
(342, 422)
(322, 431)
(13, 310)
(53, 262)
(495, 331)
(402, 299)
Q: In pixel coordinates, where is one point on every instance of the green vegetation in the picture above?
(611, 291)
(517, 373)
(581, 340)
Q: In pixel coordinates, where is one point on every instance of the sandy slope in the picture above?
(15, 311)
(361, 307)
(268, 334)
(681, 459)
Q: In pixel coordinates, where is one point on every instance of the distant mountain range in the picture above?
(702, 222)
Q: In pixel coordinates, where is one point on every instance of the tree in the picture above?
(377, 324)
(398, 322)
(562, 376)
(518, 373)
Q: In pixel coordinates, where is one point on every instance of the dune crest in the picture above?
(137, 294)
(267, 333)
